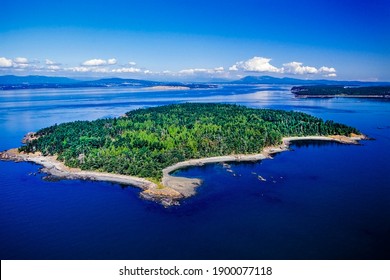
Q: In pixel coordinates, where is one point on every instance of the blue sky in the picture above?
(196, 40)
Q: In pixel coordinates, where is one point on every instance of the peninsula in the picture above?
(143, 147)
(326, 91)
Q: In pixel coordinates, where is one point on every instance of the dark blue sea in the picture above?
(319, 200)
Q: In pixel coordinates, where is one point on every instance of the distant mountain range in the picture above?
(16, 80)
(30, 82)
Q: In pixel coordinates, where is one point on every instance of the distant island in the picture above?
(342, 91)
(144, 146)
(269, 80)
(11, 82)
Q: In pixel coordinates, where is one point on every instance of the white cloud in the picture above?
(51, 62)
(328, 71)
(325, 69)
(298, 68)
(78, 69)
(84, 69)
(255, 64)
(21, 60)
(21, 65)
(126, 70)
(99, 62)
(233, 68)
(111, 61)
(53, 68)
(5, 62)
(94, 62)
(192, 71)
(99, 70)
(195, 71)
(262, 64)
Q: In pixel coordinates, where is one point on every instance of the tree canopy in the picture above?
(324, 90)
(145, 141)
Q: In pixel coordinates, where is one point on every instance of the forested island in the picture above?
(145, 142)
(342, 91)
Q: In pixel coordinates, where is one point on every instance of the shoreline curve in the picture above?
(172, 188)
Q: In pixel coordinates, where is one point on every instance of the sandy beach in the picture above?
(172, 188)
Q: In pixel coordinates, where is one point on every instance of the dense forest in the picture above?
(144, 141)
(374, 91)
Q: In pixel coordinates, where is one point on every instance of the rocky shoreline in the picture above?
(172, 189)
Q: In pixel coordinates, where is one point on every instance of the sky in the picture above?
(196, 39)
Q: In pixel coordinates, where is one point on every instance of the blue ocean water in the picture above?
(319, 200)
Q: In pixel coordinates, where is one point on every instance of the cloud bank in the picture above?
(262, 65)
(194, 71)
(127, 70)
(254, 65)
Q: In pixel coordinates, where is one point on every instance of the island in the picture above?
(326, 91)
(11, 82)
(143, 147)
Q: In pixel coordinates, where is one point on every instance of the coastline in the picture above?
(172, 188)
(385, 96)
